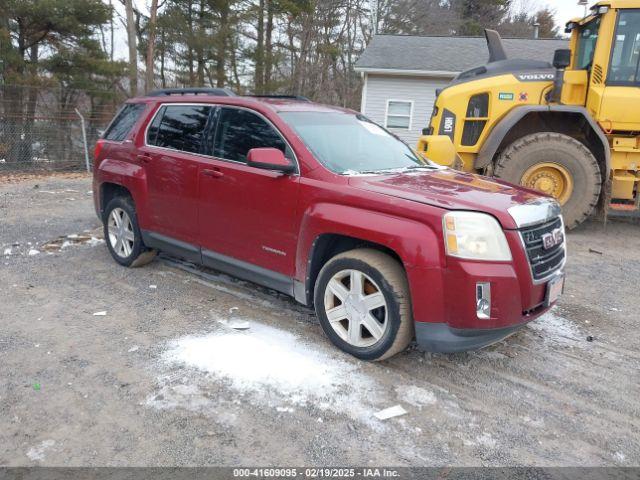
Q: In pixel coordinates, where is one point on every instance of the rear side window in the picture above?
(124, 122)
(240, 130)
(180, 127)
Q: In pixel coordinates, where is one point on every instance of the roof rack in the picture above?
(218, 92)
(291, 97)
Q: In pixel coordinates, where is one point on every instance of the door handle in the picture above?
(215, 173)
(144, 158)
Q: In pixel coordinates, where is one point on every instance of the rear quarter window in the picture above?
(124, 122)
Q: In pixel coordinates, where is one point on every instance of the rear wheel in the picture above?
(122, 234)
(557, 165)
(363, 304)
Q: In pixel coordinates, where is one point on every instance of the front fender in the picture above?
(414, 242)
(419, 247)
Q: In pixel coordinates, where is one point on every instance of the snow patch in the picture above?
(33, 252)
(94, 241)
(416, 396)
(558, 329)
(174, 396)
(37, 453)
(485, 439)
(270, 365)
(538, 422)
(619, 456)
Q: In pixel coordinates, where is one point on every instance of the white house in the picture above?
(401, 74)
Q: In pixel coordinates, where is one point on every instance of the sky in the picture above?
(565, 11)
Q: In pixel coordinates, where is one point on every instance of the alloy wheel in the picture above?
(356, 308)
(121, 235)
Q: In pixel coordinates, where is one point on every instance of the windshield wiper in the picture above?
(391, 170)
(382, 170)
(421, 167)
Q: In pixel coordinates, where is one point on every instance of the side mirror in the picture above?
(270, 159)
(562, 58)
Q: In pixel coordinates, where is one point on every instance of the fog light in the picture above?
(483, 300)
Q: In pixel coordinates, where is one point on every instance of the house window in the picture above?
(399, 114)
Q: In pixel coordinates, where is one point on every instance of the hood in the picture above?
(452, 190)
(523, 70)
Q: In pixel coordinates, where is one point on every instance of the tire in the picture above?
(380, 274)
(555, 149)
(135, 254)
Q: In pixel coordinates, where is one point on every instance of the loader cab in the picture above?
(606, 54)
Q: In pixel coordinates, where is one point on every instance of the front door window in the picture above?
(239, 131)
(587, 44)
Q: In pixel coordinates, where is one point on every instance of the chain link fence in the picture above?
(51, 130)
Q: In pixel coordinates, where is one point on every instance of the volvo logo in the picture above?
(551, 239)
(535, 77)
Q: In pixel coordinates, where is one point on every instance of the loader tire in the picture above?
(557, 165)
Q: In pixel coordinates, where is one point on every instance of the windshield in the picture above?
(587, 44)
(347, 143)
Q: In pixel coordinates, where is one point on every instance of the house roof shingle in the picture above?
(447, 54)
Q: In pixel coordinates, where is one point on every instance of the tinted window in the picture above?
(124, 122)
(625, 59)
(239, 131)
(180, 127)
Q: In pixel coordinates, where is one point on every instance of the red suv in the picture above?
(322, 204)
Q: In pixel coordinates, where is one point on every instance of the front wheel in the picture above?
(363, 304)
(557, 165)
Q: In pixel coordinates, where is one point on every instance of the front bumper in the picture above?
(441, 338)
(445, 309)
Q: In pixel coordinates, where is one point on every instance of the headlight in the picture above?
(475, 236)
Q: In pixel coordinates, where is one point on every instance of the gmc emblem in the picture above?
(551, 239)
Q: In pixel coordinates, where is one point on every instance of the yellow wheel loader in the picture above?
(570, 129)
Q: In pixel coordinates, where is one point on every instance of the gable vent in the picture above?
(596, 75)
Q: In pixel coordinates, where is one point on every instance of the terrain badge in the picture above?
(505, 96)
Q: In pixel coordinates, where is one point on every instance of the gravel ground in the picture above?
(164, 378)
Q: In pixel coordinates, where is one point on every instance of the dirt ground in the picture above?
(164, 378)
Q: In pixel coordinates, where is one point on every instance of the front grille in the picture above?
(544, 262)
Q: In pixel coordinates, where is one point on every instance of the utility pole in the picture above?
(584, 3)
